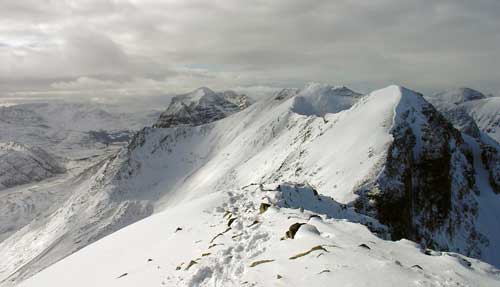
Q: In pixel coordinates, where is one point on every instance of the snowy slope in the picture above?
(48, 148)
(190, 175)
(114, 201)
(486, 113)
(192, 245)
(470, 111)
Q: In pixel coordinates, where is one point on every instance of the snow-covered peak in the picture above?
(198, 94)
(201, 106)
(320, 99)
(460, 95)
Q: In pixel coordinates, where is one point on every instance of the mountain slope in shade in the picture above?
(21, 164)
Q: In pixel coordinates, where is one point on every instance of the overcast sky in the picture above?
(141, 47)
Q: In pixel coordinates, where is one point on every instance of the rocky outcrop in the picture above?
(490, 155)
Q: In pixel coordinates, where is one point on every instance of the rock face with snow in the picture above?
(20, 164)
(478, 116)
(323, 160)
(426, 192)
(201, 107)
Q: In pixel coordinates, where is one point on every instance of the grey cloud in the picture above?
(423, 44)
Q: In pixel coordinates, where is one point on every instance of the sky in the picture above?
(77, 48)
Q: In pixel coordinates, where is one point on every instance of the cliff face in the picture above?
(426, 189)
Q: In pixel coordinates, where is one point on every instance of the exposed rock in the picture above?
(231, 221)
(263, 207)
(491, 159)
(315, 248)
(292, 230)
(364, 246)
(191, 263)
(261, 262)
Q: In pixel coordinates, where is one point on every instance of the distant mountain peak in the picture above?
(201, 106)
(320, 99)
(460, 95)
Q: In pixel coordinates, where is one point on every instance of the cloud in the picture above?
(174, 45)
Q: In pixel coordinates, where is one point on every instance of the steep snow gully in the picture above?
(304, 188)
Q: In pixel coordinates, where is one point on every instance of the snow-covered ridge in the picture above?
(325, 163)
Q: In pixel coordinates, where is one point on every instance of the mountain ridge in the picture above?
(266, 144)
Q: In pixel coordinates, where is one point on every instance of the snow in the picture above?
(158, 251)
(68, 128)
(488, 222)
(484, 110)
(460, 95)
(194, 181)
(20, 164)
(486, 113)
(320, 99)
